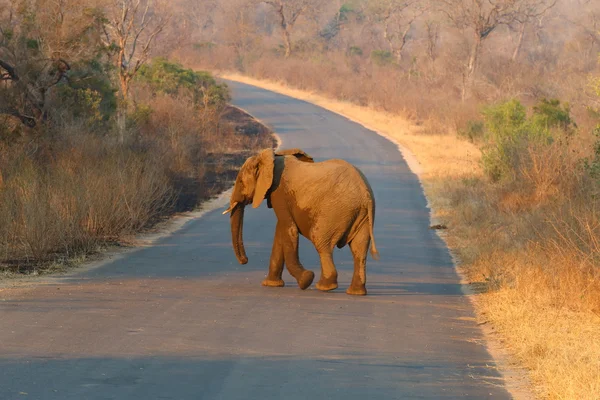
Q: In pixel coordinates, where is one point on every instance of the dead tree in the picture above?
(433, 36)
(34, 54)
(397, 18)
(131, 28)
(288, 12)
(482, 17)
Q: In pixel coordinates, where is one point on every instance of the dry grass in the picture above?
(86, 194)
(559, 346)
(73, 190)
(532, 245)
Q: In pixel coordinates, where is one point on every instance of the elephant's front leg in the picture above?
(289, 235)
(276, 263)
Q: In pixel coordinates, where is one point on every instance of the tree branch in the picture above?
(10, 70)
(25, 119)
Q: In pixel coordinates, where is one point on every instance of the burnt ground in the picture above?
(221, 168)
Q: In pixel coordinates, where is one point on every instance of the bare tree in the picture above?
(201, 14)
(530, 12)
(241, 30)
(131, 29)
(288, 12)
(397, 18)
(35, 49)
(482, 17)
(589, 26)
(433, 36)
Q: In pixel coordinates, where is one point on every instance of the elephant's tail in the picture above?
(374, 252)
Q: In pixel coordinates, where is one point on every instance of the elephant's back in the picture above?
(331, 177)
(353, 172)
(332, 194)
(326, 181)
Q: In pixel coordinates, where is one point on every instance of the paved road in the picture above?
(182, 320)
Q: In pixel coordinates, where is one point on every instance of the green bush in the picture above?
(345, 11)
(509, 131)
(140, 116)
(505, 120)
(382, 57)
(89, 93)
(474, 131)
(203, 45)
(355, 51)
(167, 77)
(549, 115)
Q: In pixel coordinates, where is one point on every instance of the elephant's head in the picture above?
(253, 181)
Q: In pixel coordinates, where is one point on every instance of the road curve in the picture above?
(182, 320)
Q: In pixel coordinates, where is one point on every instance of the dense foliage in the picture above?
(172, 78)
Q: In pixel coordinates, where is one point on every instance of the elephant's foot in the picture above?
(273, 282)
(357, 290)
(327, 284)
(306, 279)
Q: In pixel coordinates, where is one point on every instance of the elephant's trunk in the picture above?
(237, 227)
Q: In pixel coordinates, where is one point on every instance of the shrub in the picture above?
(88, 94)
(382, 57)
(505, 120)
(163, 76)
(505, 126)
(548, 114)
(473, 132)
(355, 51)
(510, 133)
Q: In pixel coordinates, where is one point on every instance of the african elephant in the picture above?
(328, 202)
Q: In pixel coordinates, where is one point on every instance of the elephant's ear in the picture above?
(266, 164)
(299, 154)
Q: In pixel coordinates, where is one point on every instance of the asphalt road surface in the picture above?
(182, 320)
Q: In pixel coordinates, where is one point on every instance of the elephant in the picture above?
(330, 203)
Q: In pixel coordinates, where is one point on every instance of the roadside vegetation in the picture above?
(92, 152)
(499, 103)
(527, 231)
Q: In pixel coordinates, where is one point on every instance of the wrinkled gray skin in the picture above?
(329, 202)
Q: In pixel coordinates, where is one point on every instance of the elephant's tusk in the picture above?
(231, 207)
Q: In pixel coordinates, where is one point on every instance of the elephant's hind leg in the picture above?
(276, 262)
(289, 237)
(359, 247)
(328, 280)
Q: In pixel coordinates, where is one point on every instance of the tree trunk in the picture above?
(121, 123)
(520, 43)
(474, 56)
(398, 54)
(124, 82)
(285, 29)
(287, 41)
(469, 75)
(403, 42)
